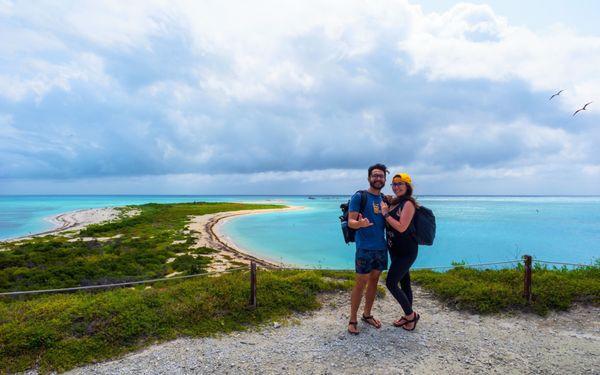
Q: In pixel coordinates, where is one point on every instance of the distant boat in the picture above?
(311, 197)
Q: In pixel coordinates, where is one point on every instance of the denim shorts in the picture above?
(369, 260)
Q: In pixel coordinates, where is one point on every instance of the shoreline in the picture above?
(208, 231)
(72, 220)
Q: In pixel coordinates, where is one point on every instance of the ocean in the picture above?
(473, 229)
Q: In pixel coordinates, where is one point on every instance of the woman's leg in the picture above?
(398, 268)
(406, 288)
(411, 256)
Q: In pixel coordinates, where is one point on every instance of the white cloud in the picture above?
(37, 77)
(471, 42)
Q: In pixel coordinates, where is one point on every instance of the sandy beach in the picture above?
(208, 230)
(76, 220)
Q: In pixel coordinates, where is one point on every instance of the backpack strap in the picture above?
(363, 201)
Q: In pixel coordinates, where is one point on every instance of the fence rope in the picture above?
(416, 268)
(119, 284)
(245, 268)
(468, 265)
(563, 263)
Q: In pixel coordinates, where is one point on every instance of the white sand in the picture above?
(76, 220)
(208, 232)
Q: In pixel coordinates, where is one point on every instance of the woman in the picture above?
(402, 246)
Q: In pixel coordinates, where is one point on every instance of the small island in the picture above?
(58, 332)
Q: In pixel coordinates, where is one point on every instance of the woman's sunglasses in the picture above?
(398, 184)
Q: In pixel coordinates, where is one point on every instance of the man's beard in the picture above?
(377, 185)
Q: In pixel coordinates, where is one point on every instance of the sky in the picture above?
(288, 97)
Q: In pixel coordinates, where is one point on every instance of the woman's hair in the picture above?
(393, 200)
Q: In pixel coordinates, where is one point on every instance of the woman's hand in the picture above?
(384, 208)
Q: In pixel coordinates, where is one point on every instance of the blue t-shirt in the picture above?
(369, 238)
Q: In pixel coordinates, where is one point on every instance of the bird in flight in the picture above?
(557, 94)
(582, 109)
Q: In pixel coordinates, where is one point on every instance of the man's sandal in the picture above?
(370, 321)
(415, 319)
(354, 324)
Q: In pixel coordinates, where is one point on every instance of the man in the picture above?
(371, 249)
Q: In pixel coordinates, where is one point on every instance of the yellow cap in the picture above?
(402, 177)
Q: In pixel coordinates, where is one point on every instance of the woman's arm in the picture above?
(406, 215)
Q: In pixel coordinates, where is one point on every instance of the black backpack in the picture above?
(349, 233)
(424, 226)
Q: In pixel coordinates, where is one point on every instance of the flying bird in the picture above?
(582, 109)
(557, 94)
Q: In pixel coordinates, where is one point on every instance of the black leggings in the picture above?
(398, 274)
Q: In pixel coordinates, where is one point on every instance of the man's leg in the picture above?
(373, 280)
(356, 296)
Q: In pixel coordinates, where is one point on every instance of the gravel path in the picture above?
(445, 341)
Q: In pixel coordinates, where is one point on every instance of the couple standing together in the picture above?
(374, 220)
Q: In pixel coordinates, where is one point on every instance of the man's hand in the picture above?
(363, 222)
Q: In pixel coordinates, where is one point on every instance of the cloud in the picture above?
(471, 42)
(149, 89)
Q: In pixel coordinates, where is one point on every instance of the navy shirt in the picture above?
(370, 238)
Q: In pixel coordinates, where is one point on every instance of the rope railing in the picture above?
(469, 265)
(527, 260)
(114, 285)
(563, 263)
(414, 268)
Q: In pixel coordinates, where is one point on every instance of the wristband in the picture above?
(386, 215)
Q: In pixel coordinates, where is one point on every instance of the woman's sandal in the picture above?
(415, 319)
(370, 317)
(400, 322)
(354, 324)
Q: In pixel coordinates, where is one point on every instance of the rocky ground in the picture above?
(445, 341)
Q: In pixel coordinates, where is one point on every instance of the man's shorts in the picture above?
(369, 260)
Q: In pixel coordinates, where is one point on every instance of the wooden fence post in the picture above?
(252, 285)
(527, 280)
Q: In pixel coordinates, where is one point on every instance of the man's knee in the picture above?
(374, 277)
(361, 280)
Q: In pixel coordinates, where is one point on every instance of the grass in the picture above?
(59, 332)
(146, 242)
(492, 291)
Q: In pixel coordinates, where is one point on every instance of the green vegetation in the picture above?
(490, 291)
(131, 248)
(59, 332)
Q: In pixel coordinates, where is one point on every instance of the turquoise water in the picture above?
(21, 215)
(471, 229)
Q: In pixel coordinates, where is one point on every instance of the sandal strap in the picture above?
(416, 319)
(353, 323)
(400, 322)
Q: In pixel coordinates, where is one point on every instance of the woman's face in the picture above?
(399, 188)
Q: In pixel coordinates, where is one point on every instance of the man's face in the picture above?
(377, 179)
